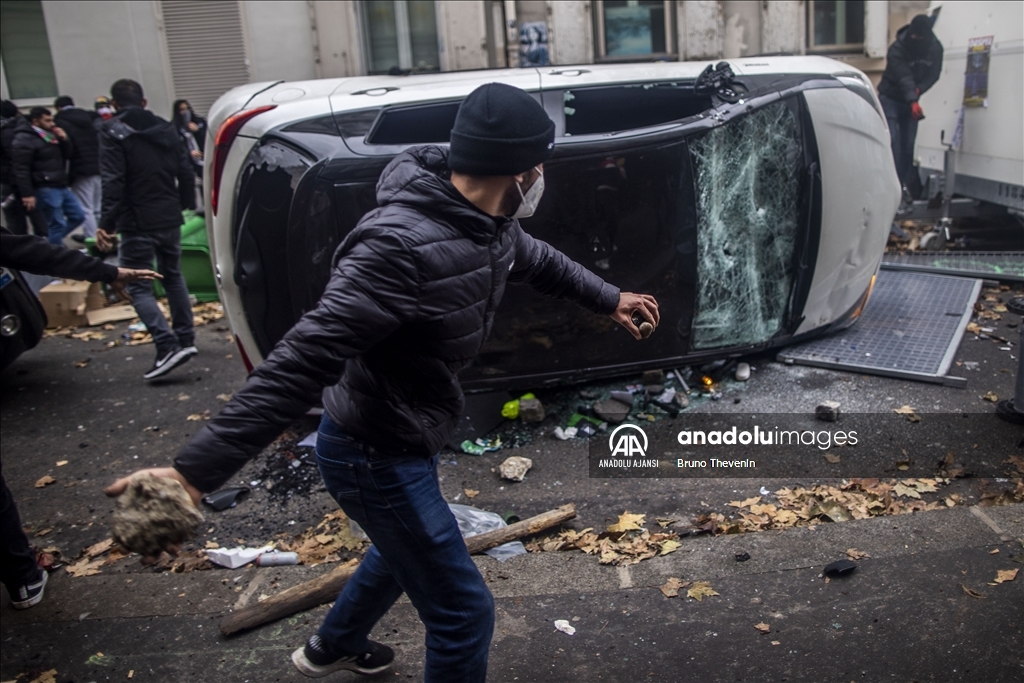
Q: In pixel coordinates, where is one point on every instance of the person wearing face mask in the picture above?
(913, 65)
(192, 131)
(411, 298)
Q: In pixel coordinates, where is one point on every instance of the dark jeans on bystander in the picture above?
(17, 561)
(417, 549)
(902, 133)
(138, 250)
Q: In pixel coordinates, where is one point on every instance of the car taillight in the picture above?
(245, 357)
(226, 134)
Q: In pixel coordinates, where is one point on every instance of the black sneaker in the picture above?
(314, 661)
(165, 362)
(30, 594)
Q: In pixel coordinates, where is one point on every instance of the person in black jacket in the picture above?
(24, 579)
(84, 174)
(192, 130)
(412, 296)
(40, 154)
(147, 180)
(17, 217)
(913, 65)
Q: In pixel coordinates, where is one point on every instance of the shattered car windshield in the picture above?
(747, 176)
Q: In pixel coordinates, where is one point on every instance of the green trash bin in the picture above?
(195, 259)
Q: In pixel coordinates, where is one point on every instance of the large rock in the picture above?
(531, 410)
(611, 411)
(153, 513)
(827, 411)
(515, 468)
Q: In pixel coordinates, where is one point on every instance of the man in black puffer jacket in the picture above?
(411, 299)
(147, 181)
(84, 173)
(913, 65)
(11, 121)
(39, 160)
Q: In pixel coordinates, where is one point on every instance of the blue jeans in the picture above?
(138, 250)
(61, 210)
(417, 549)
(902, 134)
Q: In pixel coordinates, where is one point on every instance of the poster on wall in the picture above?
(979, 50)
(533, 44)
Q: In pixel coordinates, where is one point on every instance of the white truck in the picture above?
(985, 162)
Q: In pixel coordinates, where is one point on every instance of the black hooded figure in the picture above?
(913, 65)
(191, 129)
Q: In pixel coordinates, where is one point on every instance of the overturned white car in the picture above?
(752, 197)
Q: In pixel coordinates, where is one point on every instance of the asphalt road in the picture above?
(901, 617)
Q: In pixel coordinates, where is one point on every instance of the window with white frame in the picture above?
(25, 51)
(634, 29)
(835, 26)
(402, 36)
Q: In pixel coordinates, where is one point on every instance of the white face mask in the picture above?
(531, 198)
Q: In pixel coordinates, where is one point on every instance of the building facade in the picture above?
(198, 49)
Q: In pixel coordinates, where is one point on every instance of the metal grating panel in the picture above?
(1005, 266)
(910, 328)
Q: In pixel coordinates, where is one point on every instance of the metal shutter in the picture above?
(206, 48)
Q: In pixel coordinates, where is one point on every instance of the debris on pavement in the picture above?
(531, 410)
(153, 513)
(515, 468)
(332, 537)
(742, 372)
(480, 446)
(612, 411)
(742, 557)
(855, 554)
(971, 592)
(564, 626)
(474, 521)
(827, 411)
(1004, 575)
(45, 481)
(233, 558)
(839, 568)
(225, 498)
(625, 542)
(764, 628)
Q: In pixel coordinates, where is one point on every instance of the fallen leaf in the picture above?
(61, 463)
(183, 397)
(471, 493)
(1004, 575)
(855, 554)
(82, 363)
(971, 592)
(671, 545)
(224, 397)
(745, 503)
(701, 590)
(994, 551)
(763, 628)
(212, 545)
(45, 481)
(776, 642)
(832, 458)
(989, 396)
(909, 412)
(906, 491)
(97, 549)
(85, 567)
(627, 522)
(46, 677)
(196, 417)
(671, 587)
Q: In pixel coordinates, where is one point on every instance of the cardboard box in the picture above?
(111, 314)
(67, 301)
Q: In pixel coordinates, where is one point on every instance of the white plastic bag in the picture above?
(473, 521)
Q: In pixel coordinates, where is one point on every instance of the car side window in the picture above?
(747, 175)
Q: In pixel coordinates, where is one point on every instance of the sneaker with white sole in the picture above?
(30, 594)
(165, 362)
(313, 660)
(190, 350)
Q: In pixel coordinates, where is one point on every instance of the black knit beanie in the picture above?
(500, 130)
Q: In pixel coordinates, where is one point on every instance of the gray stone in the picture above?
(154, 513)
(531, 410)
(652, 377)
(611, 411)
(827, 411)
(623, 397)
